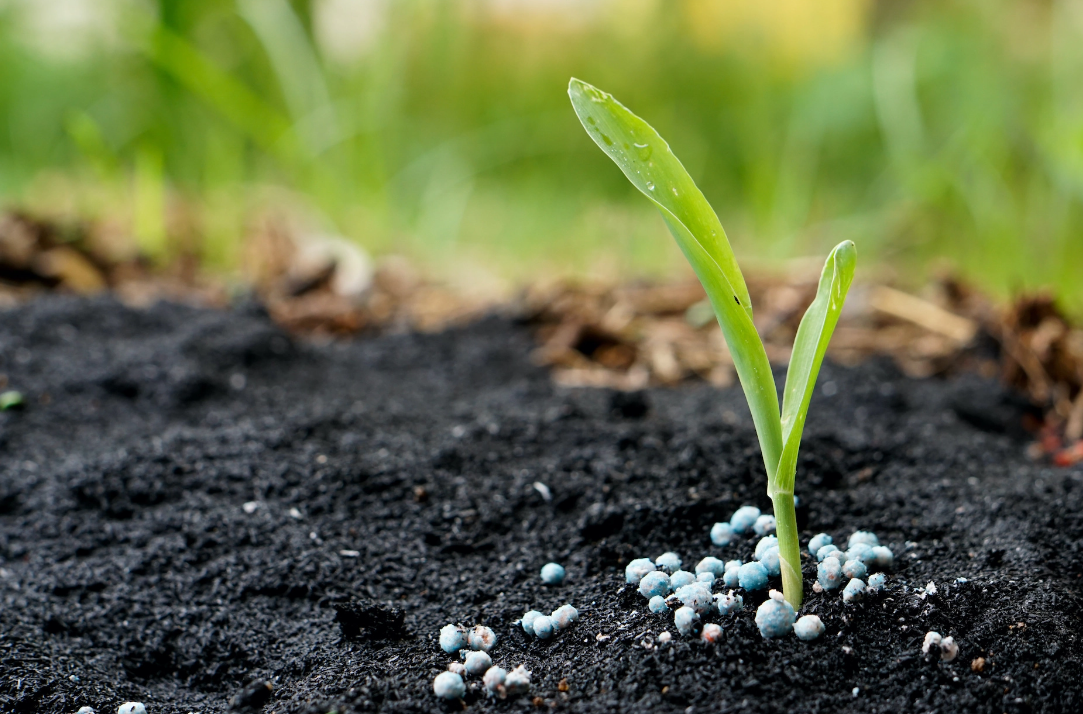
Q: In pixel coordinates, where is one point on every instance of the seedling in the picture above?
(647, 161)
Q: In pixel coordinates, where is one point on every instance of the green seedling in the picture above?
(647, 161)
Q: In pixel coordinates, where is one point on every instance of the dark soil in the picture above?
(389, 485)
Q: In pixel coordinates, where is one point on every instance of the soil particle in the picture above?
(369, 619)
(253, 696)
(134, 565)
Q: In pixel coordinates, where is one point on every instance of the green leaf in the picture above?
(647, 161)
(809, 348)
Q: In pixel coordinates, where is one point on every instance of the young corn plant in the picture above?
(647, 161)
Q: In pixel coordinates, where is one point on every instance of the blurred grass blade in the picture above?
(297, 69)
(645, 158)
(809, 348)
(647, 161)
(242, 107)
(87, 135)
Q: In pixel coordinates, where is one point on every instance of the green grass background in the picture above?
(938, 135)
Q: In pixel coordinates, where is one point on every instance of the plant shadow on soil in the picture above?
(192, 504)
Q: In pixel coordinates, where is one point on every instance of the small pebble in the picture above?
(132, 708)
(706, 578)
(943, 647)
(744, 518)
(728, 602)
(669, 562)
(552, 574)
(494, 681)
(457, 667)
(764, 524)
(528, 621)
(854, 591)
(85, 710)
(775, 616)
(564, 616)
(447, 685)
(827, 551)
(731, 578)
(864, 537)
(721, 534)
(808, 628)
(765, 544)
(711, 633)
(544, 627)
(664, 636)
(686, 619)
(481, 638)
(452, 638)
(771, 562)
(860, 551)
(635, 570)
(877, 582)
(882, 556)
(478, 663)
(696, 596)
(517, 681)
(654, 583)
(681, 578)
(658, 605)
(854, 569)
(819, 541)
(752, 576)
(711, 565)
(829, 573)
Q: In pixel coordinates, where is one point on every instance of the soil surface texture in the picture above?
(199, 513)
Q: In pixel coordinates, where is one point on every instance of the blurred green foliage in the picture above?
(935, 133)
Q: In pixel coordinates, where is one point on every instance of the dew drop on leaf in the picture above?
(644, 151)
(650, 186)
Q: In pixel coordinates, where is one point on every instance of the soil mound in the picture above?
(194, 505)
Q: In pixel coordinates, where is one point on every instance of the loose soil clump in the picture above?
(194, 506)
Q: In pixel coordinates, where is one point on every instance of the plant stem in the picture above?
(789, 550)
